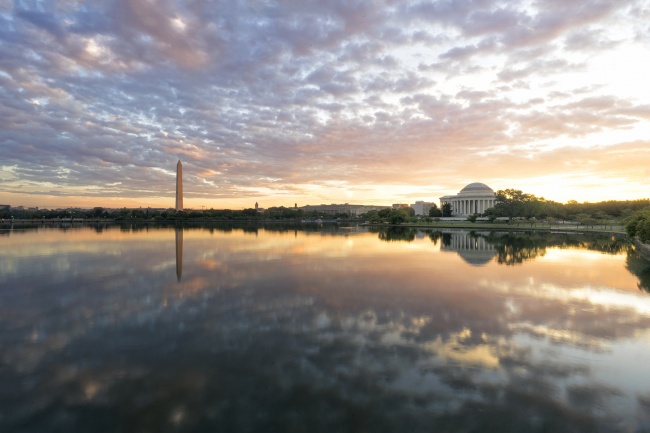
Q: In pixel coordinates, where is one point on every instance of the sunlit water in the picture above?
(143, 329)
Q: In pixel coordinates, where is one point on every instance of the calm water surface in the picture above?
(142, 329)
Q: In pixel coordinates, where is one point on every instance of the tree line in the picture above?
(514, 203)
(510, 204)
(272, 213)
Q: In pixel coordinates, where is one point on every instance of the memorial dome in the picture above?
(477, 187)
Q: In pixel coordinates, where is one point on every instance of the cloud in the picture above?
(305, 93)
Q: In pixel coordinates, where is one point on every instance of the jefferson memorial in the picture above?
(474, 198)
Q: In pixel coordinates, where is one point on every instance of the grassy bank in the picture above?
(605, 228)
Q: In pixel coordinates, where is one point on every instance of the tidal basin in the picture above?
(321, 328)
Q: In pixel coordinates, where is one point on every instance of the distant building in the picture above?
(422, 207)
(5, 207)
(400, 205)
(474, 198)
(350, 209)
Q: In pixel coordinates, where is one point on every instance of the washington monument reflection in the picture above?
(179, 253)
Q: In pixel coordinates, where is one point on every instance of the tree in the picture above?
(472, 218)
(514, 203)
(371, 214)
(384, 213)
(434, 211)
(643, 230)
(446, 210)
(588, 221)
(249, 213)
(410, 212)
(282, 212)
(396, 217)
(639, 225)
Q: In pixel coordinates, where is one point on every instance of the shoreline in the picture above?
(642, 249)
(480, 226)
(616, 230)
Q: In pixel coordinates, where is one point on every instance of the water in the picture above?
(276, 329)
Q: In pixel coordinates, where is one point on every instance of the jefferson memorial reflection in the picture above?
(473, 248)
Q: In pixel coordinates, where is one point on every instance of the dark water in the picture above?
(136, 329)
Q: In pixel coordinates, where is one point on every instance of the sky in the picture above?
(324, 101)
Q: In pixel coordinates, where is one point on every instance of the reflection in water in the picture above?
(517, 247)
(291, 330)
(514, 249)
(473, 248)
(179, 252)
(508, 248)
(395, 234)
(639, 267)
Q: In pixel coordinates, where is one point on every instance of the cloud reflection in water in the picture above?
(338, 331)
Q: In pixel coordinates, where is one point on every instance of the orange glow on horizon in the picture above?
(379, 195)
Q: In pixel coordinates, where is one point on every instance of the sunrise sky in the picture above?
(310, 102)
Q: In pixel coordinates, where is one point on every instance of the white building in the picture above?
(474, 198)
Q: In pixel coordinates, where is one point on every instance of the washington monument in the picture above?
(179, 186)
